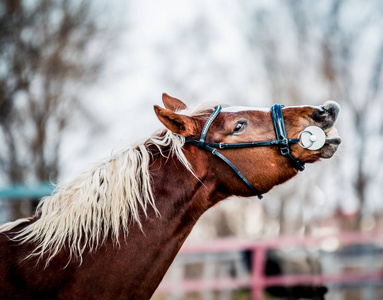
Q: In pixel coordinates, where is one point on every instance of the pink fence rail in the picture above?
(257, 282)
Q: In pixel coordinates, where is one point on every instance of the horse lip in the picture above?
(332, 136)
(333, 140)
(327, 130)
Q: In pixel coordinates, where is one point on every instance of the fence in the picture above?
(231, 249)
(15, 200)
(258, 281)
(27, 192)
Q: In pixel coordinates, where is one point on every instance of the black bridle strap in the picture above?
(239, 174)
(281, 135)
(207, 125)
(218, 154)
(250, 144)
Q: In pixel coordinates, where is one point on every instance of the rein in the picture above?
(281, 141)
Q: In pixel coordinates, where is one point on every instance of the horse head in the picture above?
(260, 162)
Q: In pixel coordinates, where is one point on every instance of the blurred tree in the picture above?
(343, 66)
(331, 50)
(48, 50)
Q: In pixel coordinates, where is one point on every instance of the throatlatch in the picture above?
(311, 138)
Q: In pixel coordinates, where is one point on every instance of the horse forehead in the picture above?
(234, 109)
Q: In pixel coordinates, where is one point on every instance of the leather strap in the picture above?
(281, 135)
(207, 125)
(250, 144)
(239, 174)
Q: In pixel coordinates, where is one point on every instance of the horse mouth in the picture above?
(332, 142)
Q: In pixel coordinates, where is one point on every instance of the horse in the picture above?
(113, 232)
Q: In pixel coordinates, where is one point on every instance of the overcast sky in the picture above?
(199, 51)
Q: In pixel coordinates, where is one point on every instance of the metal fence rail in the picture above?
(258, 281)
(255, 280)
(27, 192)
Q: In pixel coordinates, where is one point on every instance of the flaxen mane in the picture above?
(101, 202)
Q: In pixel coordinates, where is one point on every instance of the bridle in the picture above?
(282, 141)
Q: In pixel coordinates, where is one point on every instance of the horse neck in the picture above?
(181, 199)
(178, 192)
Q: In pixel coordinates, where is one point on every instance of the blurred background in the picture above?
(78, 79)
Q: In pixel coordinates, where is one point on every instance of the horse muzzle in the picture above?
(324, 137)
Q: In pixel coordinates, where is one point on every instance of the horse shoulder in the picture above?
(5, 266)
(12, 279)
(22, 277)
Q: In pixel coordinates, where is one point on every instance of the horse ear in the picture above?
(177, 123)
(172, 103)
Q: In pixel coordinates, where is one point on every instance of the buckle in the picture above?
(284, 142)
(220, 145)
(284, 150)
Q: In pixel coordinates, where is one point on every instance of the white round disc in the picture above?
(313, 138)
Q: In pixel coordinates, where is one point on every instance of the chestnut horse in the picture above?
(114, 231)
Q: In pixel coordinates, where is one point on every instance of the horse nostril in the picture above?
(332, 108)
(321, 110)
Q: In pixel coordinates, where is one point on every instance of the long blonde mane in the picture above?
(101, 202)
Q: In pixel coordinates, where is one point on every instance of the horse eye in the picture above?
(240, 126)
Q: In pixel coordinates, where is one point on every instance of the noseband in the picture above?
(282, 141)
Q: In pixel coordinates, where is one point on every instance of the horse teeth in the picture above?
(332, 132)
(328, 129)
